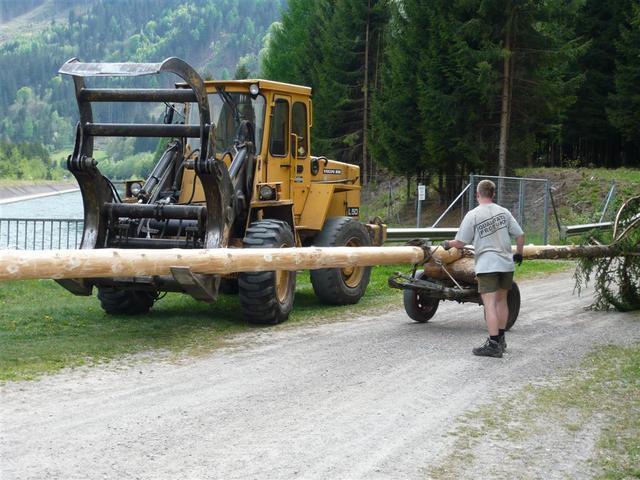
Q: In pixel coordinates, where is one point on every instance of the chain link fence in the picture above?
(528, 200)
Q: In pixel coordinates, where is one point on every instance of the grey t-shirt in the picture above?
(490, 228)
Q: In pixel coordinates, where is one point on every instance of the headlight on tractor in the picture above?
(267, 192)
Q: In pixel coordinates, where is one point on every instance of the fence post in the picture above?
(521, 202)
(472, 190)
(422, 195)
(389, 203)
(546, 212)
(610, 195)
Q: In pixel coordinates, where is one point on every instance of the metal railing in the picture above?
(40, 234)
(406, 234)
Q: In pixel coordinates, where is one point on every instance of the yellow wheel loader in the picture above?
(237, 173)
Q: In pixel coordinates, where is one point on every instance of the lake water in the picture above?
(66, 205)
(38, 235)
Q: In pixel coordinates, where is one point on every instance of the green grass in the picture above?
(14, 182)
(600, 395)
(583, 191)
(538, 268)
(617, 174)
(43, 328)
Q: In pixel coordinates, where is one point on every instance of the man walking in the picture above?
(490, 228)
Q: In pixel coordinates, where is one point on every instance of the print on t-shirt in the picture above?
(492, 225)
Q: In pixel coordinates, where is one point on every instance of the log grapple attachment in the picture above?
(151, 215)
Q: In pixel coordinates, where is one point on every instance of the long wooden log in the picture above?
(60, 264)
(106, 262)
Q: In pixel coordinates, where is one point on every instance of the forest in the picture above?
(434, 89)
(38, 105)
(447, 88)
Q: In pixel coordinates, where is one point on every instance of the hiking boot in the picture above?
(490, 348)
(503, 343)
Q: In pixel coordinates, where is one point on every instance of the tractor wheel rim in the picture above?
(282, 283)
(352, 276)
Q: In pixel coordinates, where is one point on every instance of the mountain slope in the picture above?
(38, 106)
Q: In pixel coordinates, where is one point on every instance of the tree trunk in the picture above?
(109, 262)
(507, 85)
(365, 87)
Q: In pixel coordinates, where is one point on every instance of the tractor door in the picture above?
(301, 156)
(281, 166)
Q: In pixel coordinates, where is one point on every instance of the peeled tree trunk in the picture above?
(107, 262)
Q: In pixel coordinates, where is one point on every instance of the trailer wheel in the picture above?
(115, 301)
(419, 307)
(267, 297)
(341, 286)
(513, 302)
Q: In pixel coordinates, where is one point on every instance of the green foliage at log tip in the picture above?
(616, 279)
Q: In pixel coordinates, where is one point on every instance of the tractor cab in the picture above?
(275, 119)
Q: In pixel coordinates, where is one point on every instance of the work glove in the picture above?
(517, 258)
(446, 245)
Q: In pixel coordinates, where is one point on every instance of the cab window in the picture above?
(279, 128)
(299, 127)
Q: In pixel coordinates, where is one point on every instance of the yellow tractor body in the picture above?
(237, 172)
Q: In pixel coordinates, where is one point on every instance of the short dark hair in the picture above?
(486, 189)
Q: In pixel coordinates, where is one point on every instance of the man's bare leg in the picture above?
(491, 347)
(491, 313)
(502, 308)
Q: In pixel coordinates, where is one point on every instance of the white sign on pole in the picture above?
(422, 192)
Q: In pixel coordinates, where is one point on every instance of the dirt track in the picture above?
(364, 398)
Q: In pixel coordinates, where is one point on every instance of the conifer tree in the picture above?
(624, 110)
(589, 135)
(396, 134)
(346, 79)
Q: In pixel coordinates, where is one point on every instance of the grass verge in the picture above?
(592, 412)
(43, 328)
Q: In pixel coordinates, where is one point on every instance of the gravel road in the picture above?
(361, 398)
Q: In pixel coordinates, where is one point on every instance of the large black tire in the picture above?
(229, 286)
(341, 286)
(267, 297)
(419, 307)
(513, 301)
(115, 301)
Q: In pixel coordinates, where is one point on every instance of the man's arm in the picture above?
(517, 257)
(464, 236)
(447, 244)
(520, 244)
